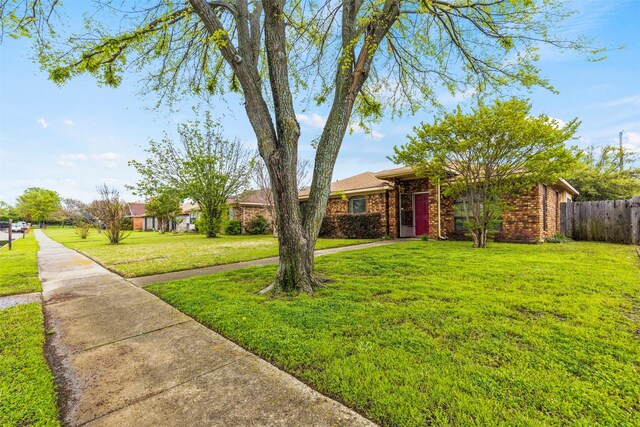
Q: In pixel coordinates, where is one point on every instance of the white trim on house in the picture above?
(360, 191)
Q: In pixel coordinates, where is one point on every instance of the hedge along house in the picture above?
(409, 206)
(248, 206)
(360, 194)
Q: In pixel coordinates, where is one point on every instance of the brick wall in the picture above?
(530, 216)
(375, 203)
(246, 214)
(524, 221)
(136, 223)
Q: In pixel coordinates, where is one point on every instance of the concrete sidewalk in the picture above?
(123, 357)
(185, 274)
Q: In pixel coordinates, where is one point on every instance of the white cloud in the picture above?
(71, 157)
(108, 160)
(373, 134)
(66, 163)
(43, 123)
(629, 100)
(558, 123)
(68, 122)
(315, 120)
(110, 156)
(632, 141)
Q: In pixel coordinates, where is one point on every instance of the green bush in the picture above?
(425, 237)
(234, 227)
(328, 227)
(258, 225)
(127, 223)
(360, 226)
(558, 238)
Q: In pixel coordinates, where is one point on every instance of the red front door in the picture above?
(422, 214)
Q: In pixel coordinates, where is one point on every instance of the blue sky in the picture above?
(73, 138)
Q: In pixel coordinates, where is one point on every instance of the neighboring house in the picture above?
(249, 205)
(143, 222)
(186, 221)
(137, 215)
(410, 206)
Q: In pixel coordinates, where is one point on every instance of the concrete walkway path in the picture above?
(123, 357)
(185, 274)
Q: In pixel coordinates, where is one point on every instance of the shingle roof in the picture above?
(396, 172)
(253, 197)
(189, 207)
(363, 181)
(137, 208)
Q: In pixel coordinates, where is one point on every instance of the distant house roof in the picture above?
(250, 198)
(364, 182)
(189, 207)
(137, 209)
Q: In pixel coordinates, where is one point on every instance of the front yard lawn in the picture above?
(27, 391)
(424, 333)
(145, 253)
(19, 267)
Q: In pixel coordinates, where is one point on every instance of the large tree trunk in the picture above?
(295, 270)
(278, 136)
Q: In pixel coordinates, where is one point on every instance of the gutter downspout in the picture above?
(440, 236)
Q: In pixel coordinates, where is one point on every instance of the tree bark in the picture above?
(278, 139)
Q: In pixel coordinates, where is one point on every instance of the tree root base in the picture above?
(316, 283)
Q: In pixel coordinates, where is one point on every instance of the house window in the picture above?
(192, 217)
(459, 218)
(230, 214)
(357, 205)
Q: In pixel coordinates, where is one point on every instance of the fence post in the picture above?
(635, 220)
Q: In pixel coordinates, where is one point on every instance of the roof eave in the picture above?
(367, 190)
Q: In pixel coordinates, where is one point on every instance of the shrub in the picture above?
(328, 227)
(558, 238)
(425, 237)
(258, 225)
(359, 226)
(234, 227)
(82, 229)
(127, 223)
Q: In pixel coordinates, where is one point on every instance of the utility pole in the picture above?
(621, 152)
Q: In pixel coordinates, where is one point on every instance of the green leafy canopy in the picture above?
(455, 45)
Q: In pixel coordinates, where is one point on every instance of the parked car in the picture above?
(4, 225)
(23, 225)
(16, 228)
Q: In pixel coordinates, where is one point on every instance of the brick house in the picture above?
(137, 214)
(410, 206)
(248, 206)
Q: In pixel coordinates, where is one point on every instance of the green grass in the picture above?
(19, 267)
(145, 253)
(27, 391)
(423, 333)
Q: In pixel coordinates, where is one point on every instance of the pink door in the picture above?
(422, 214)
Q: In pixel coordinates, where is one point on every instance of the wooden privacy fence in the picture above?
(616, 221)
